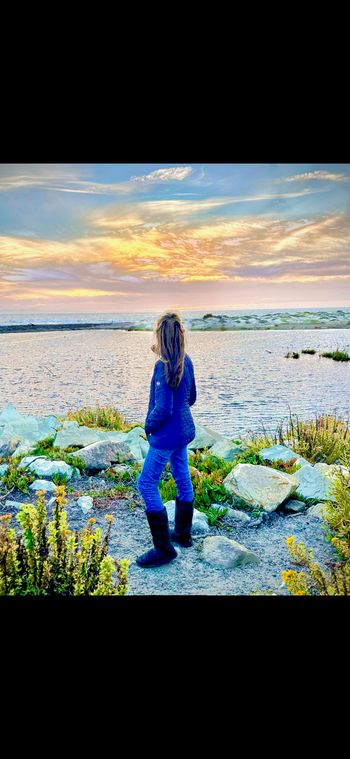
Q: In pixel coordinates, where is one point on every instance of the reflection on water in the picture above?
(243, 379)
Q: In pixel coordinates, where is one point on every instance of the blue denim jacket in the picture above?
(169, 422)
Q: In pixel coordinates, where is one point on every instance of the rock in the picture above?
(72, 433)
(316, 511)
(8, 443)
(205, 437)
(52, 501)
(22, 449)
(86, 503)
(330, 470)
(14, 504)
(238, 516)
(294, 506)
(224, 553)
(312, 483)
(29, 428)
(226, 449)
(102, 454)
(260, 485)
(200, 525)
(281, 453)
(42, 466)
(3, 469)
(46, 485)
(120, 468)
(9, 414)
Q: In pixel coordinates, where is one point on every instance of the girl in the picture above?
(169, 428)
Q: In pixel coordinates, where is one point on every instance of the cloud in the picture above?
(325, 175)
(165, 175)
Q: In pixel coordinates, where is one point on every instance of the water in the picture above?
(243, 378)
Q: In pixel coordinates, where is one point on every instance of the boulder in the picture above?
(224, 553)
(22, 449)
(330, 470)
(235, 514)
(85, 502)
(200, 525)
(9, 414)
(42, 466)
(226, 449)
(260, 485)
(14, 504)
(312, 483)
(46, 485)
(316, 511)
(205, 437)
(72, 433)
(8, 443)
(3, 469)
(104, 453)
(294, 506)
(281, 453)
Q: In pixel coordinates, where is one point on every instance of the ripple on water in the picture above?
(243, 378)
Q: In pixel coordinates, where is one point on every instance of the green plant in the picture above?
(16, 478)
(335, 580)
(167, 490)
(47, 558)
(106, 417)
(310, 351)
(46, 448)
(295, 354)
(336, 355)
(59, 479)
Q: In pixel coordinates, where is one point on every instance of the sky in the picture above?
(94, 238)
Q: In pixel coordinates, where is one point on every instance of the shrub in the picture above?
(16, 478)
(47, 558)
(46, 448)
(336, 355)
(335, 580)
(103, 416)
(310, 351)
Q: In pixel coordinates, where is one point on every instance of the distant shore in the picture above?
(23, 328)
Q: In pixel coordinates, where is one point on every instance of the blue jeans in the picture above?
(153, 467)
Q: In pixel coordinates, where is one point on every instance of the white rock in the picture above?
(85, 502)
(8, 443)
(46, 485)
(22, 449)
(3, 469)
(205, 437)
(238, 516)
(260, 485)
(9, 414)
(73, 434)
(224, 553)
(44, 467)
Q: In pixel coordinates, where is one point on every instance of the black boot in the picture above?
(163, 550)
(183, 523)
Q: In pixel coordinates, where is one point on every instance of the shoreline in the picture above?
(131, 327)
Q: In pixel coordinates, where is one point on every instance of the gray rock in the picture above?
(200, 525)
(281, 453)
(104, 453)
(9, 414)
(226, 449)
(224, 553)
(8, 443)
(46, 485)
(86, 503)
(22, 449)
(73, 434)
(260, 485)
(295, 507)
(14, 504)
(312, 483)
(316, 511)
(44, 467)
(205, 437)
(3, 469)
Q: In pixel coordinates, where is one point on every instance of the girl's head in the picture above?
(170, 343)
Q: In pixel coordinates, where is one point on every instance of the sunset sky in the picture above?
(144, 237)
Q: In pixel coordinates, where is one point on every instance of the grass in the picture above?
(310, 351)
(106, 417)
(336, 355)
(45, 448)
(325, 438)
